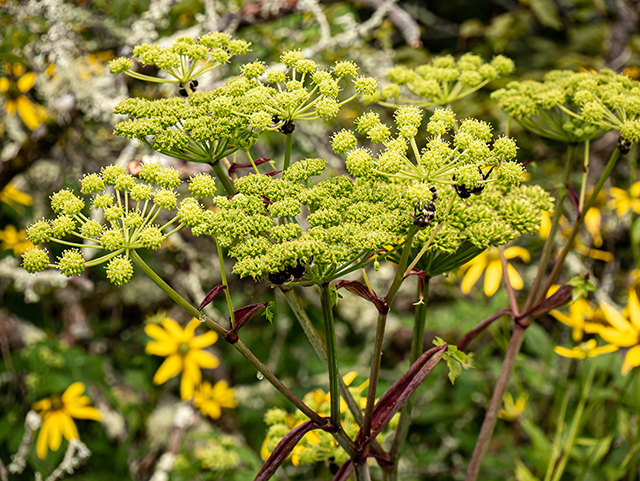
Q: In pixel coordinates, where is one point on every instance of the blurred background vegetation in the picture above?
(57, 124)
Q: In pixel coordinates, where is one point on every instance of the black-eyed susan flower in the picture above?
(211, 399)
(14, 86)
(580, 313)
(15, 240)
(57, 413)
(183, 351)
(489, 263)
(14, 198)
(624, 333)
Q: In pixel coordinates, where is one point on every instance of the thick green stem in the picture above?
(416, 351)
(287, 152)
(377, 343)
(223, 178)
(227, 294)
(239, 345)
(585, 175)
(332, 355)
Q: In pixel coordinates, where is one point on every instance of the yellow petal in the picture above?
(634, 309)
(191, 327)
(514, 278)
(26, 82)
(4, 85)
(349, 377)
(84, 412)
(11, 106)
(592, 221)
(204, 359)
(592, 327)
(163, 349)
(55, 431)
(606, 349)
(574, 353)
(156, 332)
(31, 114)
(43, 438)
(545, 225)
(492, 278)
(520, 252)
(472, 276)
(170, 367)
(42, 405)
(615, 318)
(73, 392)
(69, 430)
(213, 410)
(635, 189)
(563, 318)
(173, 329)
(631, 360)
(622, 339)
(205, 340)
(191, 376)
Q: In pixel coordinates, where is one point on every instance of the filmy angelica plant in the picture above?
(428, 194)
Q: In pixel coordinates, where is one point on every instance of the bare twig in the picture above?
(407, 26)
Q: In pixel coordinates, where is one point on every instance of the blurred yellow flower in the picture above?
(210, 400)
(490, 259)
(12, 239)
(623, 201)
(592, 222)
(14, 198)
(183, 352)
(57, 413)
(623, 332)
(579, 313)
(585, 349)
(32, 114)
(512, 410)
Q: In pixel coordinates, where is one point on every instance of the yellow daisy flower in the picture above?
(579, 313)
(14, 198)
(623, 332)
(512, 410)
(183, 352)
(623, 201)
(210, 400)
(32, 114)
(490, 260)
(57, 413)
(12, 239)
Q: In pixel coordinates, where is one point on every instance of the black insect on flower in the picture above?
(624, 145)
(425, 212)
(289, 274)
(464, 193)
(193, 85)
(287, 127)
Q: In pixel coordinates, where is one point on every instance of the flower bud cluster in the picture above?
(185, 60)
(575, 106)
(130, 209)
(443, 80)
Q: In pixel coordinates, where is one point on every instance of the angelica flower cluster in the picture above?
(130, 208)
(443, 80)
(207, 126)
(185, 60)
(575, 106)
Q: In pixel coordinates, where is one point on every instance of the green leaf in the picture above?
(269, 312)
(456, 359)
